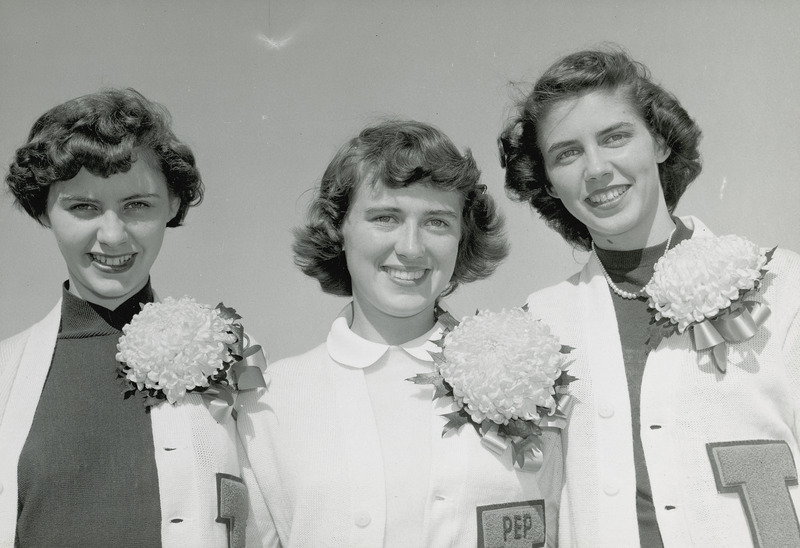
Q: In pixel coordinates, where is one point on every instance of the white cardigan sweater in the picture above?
(314, 445)
(706, 435)
(192, 451)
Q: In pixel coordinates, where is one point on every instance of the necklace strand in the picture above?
(621, 292)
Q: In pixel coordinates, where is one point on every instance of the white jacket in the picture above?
(315, 449)
(191, 450)
(721, 449)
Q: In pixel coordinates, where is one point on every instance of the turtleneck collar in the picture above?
(80, 318)
(636, 265)
(349, 349)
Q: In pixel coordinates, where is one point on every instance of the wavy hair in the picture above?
(575, 75)
(399, 154)
(103, 133)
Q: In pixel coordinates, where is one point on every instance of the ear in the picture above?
(662, 150)
(551, 191)
(174, 206)
(44, 220)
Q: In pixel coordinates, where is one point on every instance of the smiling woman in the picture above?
(110, 229)
(345, 449)
(107, 176)
(663, 432)
(602, 164)
(401, 247)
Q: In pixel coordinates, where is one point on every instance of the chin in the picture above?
(116, 292)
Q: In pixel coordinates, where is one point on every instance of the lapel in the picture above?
(20, 409)
(605, 366)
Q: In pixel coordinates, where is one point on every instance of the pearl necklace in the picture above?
(621, 292)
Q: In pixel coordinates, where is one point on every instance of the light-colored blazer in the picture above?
(751, 413)
(315, 449)
(195, 456)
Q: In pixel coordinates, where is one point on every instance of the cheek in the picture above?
(151, 232)
(67, 235)
(564, 182)
(447, 255)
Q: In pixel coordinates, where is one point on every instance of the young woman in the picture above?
(81, 464)
(662, 446)
(347, 451)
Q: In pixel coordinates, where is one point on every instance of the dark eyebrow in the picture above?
(77, 198)
(142, 196)
(441, 212)
(615, 127)
(374, 210)
(609, 129)
(74, 198)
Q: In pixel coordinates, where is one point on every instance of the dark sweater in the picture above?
(87, 472)
(631, 270)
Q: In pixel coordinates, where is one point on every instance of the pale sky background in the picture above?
(266, 92)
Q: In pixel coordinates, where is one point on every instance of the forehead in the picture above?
(142, 178)
(420, 196)
(586, 114)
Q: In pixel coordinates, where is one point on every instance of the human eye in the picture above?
(383, 219)
(617, 139)
(137, 205)
(439, 223)
(567, 156)
(81, 208)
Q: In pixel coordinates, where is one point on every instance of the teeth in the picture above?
(607, 196)
(405, 274)
(111, 261)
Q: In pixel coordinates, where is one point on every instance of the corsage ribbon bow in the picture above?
(732, 327)
(245, 374)
(527, 453)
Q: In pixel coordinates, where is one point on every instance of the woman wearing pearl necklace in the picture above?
(661, 428)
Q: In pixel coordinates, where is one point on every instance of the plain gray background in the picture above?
(266, 92)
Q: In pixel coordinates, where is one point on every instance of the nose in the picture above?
(112, 230)
(598, 168)
(409, 242)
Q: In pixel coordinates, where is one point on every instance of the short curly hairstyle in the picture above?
(398, 154)
(573, 76)
(101, 132)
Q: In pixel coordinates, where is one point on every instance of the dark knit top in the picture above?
(631, 270)
(87, 472)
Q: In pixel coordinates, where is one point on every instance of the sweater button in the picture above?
(363, 519)
(610, 489)
(605, 410)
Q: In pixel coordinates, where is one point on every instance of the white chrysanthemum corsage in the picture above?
(701, 282)
(177, 346)
(506, 373)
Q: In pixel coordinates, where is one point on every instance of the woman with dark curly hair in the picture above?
(83, 465)
(666, 429)
(347, 451)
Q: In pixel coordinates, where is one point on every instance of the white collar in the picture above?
(350, 349)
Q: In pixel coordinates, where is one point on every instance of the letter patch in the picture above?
(233, 507)
(760, 471)
(512, 525)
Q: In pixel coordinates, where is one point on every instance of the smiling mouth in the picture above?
(608, 195)
(405, 275)
(119, 262)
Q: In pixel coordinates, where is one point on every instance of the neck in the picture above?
(392, 330)
(659, 230)
(109, 303)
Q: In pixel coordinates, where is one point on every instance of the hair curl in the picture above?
(575, 75)
(101, 132)
(399, 154)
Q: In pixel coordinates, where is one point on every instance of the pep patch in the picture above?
(512, 525)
